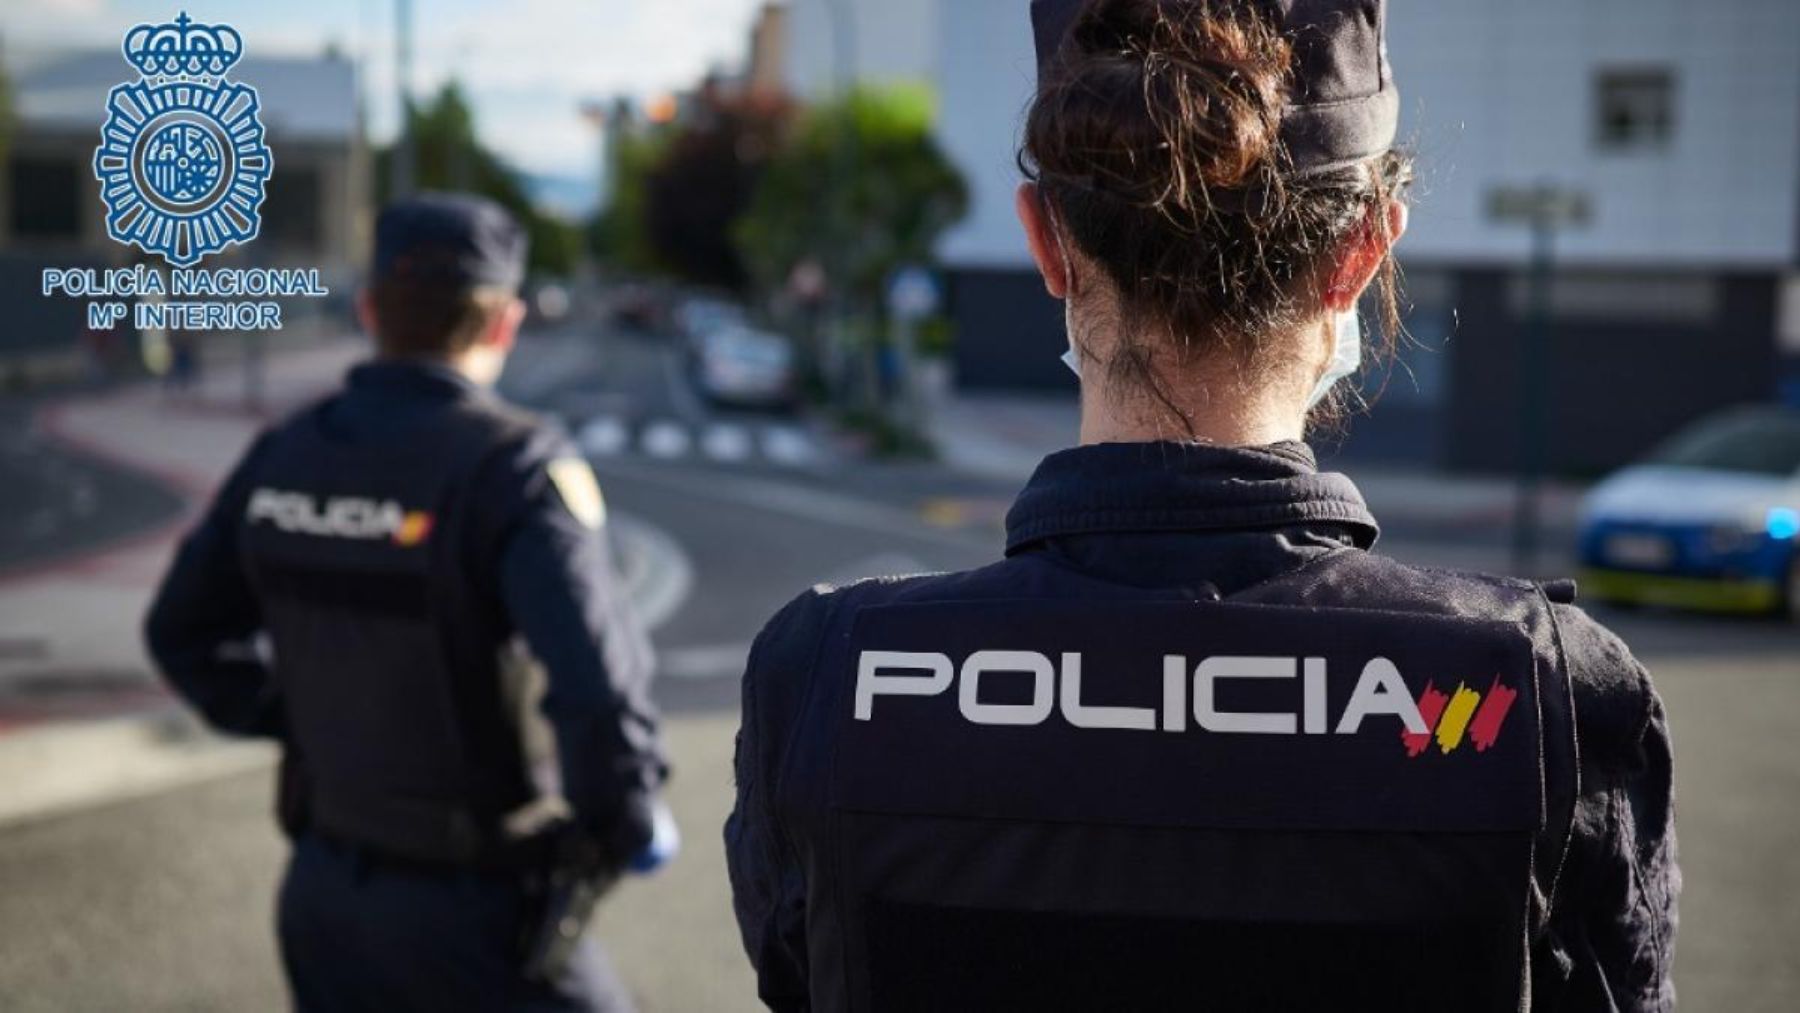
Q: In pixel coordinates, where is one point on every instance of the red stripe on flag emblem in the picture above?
(1431, 707)
(1486, 726)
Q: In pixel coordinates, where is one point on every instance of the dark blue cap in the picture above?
(1342, 106)
(449, 239)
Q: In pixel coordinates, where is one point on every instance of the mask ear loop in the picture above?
(1071, 358)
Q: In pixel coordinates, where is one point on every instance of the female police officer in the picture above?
(1191, 745)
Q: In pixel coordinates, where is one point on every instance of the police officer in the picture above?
(1191, 745)
(356, 592)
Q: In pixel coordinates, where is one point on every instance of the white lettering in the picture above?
(1174, 693)
(870, 683)
(341, 517)
(1082, 716)
(1043, 688)
(1381, 691)
(1214, 720)
(1313, 671)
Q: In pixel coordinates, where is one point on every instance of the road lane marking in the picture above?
(789, 445)
(604, 437)
(707, 661)
(727, 441)
(656, 570)
(666, 440)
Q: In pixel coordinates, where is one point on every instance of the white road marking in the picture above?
(604, 437)
(657, 572)
(708, 661)
(727, 441)
(789, 445)
(667, 440)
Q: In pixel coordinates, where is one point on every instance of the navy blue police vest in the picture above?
(1121, 803)
(387, 651)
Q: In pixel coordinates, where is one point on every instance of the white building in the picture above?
(879, 41)
(1679, 121)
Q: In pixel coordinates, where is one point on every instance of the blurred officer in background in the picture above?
(392, 543)
(1191, 745)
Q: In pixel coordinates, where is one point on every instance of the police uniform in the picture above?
(987, 790)
(394, 542)
(1191, 745)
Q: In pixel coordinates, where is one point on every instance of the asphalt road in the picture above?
(165, 902)
(57, 502)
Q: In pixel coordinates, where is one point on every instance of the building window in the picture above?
(46, 198)
(1634, 110)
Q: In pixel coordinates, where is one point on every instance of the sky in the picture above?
(527, 64)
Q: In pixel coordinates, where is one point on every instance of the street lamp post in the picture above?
(401, 166)
(1545, 208)
(844, 234)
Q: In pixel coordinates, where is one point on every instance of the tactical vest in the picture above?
(386, 651)
(1104, 803)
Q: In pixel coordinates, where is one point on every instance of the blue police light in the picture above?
(1784, 523)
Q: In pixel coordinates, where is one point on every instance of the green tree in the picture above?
(861, 187)
(448, 155)
(703, 182)
(620, 235)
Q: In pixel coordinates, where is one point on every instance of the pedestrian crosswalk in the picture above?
(727, 442)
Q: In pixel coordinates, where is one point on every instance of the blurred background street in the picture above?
(779, 301)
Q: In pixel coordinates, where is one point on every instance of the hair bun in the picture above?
(1213, 80)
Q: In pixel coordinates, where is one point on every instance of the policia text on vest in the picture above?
(1379, 690)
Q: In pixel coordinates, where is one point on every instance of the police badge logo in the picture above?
(182, 160)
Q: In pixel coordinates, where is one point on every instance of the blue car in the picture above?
(1710, 521)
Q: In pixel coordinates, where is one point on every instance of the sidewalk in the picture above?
(81, 715)
(1004, 436)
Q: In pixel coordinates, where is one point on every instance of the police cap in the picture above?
(1342, 105)
(449, 239)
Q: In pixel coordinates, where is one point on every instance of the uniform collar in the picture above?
(413, 376)
(1119, 487)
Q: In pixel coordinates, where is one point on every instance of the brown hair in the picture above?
(1156, 144)
(413, 318)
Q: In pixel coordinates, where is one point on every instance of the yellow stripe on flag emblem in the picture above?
(1456, 717)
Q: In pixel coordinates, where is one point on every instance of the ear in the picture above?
(365, 312)
(503, 331)
(1362, 254)
(1041, 238)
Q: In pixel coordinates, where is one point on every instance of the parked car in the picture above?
(1709, 521)
(700, 316)
(735, 364)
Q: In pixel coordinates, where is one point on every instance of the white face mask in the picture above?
(1072, 357)
(1346, 356)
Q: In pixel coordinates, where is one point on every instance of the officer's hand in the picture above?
(664, 843)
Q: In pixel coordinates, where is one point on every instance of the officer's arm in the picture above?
(768, 888)
(1623, 880)
(203, 624)
(563, 596)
